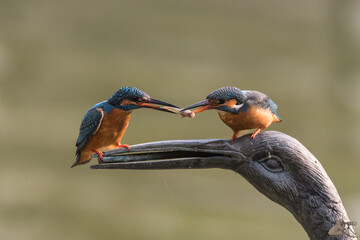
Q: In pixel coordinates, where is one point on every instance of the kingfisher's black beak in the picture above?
(179, 154)
(148, 103)
(158, 102)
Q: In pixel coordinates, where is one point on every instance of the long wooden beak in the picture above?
(179, 154)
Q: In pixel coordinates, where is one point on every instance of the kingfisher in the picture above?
(104, 124)
(240, 109)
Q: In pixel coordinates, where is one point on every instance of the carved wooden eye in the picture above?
(272, 164)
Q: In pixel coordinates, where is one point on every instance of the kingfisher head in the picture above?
(227, 99)
(130, 98)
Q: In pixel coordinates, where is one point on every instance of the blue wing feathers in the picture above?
(89, 125)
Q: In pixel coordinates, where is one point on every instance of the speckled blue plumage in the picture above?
(227, 93)
(88, 127)
(273, 107)
(92, 119)
(130, 93)
(245, 97)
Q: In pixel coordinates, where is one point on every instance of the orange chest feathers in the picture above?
(253, 118)
(113, 127)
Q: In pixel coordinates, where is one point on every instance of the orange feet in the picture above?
(124, 145)
(233, 137)
(99, 153)
(255, 133)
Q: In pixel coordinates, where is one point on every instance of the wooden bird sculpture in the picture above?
(276, 164)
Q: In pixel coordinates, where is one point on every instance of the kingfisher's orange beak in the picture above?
(202, 109)
(205, 105)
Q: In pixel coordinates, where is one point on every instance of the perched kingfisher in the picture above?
(105, 123)
(240, 109)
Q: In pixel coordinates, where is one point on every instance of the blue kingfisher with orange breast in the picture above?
(240, 109)
(105, 123)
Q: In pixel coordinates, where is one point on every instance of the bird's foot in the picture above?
(233, 137)
(255, 133)
(99, 153)
(124, 145)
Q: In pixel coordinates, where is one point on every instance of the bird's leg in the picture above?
(233, 137)
(124, 145)
(237, 134)
(99, 153)
(255, 133)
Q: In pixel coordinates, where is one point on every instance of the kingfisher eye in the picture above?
(135, 99)
(221, 101)
(272, 164)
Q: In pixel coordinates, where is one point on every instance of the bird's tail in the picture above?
(277, 118)
(81, 158)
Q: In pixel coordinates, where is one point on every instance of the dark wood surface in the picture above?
(277, 165)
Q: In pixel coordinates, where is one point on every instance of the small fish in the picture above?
(185, 113)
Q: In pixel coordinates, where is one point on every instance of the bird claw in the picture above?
(233, 137)
(255, 133)
(124, 145)
(100, 154)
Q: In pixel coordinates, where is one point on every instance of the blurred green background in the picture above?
(58, 58)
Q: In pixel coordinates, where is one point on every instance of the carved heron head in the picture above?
(276, 164)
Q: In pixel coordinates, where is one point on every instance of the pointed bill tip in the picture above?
(159, 102)
(198, 104)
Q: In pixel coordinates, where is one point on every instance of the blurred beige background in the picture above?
(58, 58)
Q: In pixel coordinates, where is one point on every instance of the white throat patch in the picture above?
(237, 107)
